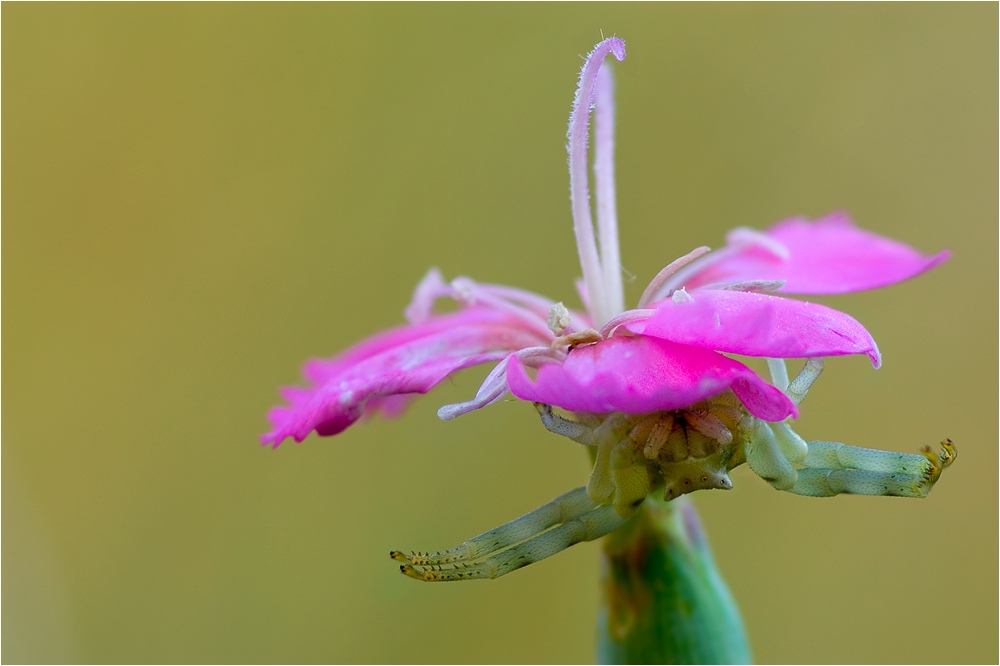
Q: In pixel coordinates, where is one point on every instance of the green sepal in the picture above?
(663, 600)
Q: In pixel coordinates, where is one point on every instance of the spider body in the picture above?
(678, 452)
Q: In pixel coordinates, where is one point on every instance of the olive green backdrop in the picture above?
(197, 198)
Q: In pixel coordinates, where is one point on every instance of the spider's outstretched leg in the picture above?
(833, 468)
(799, 387)
(587, 526)
(779, 372)
(568, 519)
(830, 468)
(563, 508)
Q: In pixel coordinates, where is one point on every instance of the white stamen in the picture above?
(464, 290)
(626, 317)
(739, 240)
(431, 287)
(468, 292)
(652, 292)
(520, 296)
(494, 387)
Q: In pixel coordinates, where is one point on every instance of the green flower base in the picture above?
(663, 600)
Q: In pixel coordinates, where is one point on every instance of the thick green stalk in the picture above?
(663, 600)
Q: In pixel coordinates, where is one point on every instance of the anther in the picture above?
(681, 296)
(559, 318)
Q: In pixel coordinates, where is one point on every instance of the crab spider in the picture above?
(678, 452)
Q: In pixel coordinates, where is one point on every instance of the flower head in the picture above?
(651, 387)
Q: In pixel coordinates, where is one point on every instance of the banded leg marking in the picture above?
(591, 525)
(834, 468)
(563, 508)
(799, 387)
(567, 520)
(578, 432)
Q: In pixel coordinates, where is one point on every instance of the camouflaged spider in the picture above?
(678, 452)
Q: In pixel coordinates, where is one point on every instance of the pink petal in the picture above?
(408, 359)
(828, 256)
(639, 375)
(752, 324)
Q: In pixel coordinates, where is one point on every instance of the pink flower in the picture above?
(666, 354)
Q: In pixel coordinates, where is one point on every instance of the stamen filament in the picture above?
(655, 288)
(467, 291)
(494, 387)
(753, 286)
(535, 302)
(739, 240)
(626, 317)
(429, 289)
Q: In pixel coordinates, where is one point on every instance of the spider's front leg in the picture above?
(609, 429)
(833, 468)
(555, 526)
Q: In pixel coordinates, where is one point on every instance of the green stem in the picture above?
(664, 601)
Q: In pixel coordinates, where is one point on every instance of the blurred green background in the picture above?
(197, 198)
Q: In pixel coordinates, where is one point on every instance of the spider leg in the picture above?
(610, 429)
(792, 446)
(765, 457)
(833, 468)
(587, 526)
(779, 372)
(567, 507)
(799, 386)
